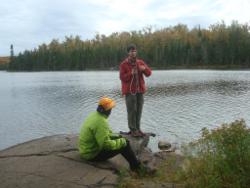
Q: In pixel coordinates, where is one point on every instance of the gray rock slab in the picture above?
(43, 146)
(54, 161)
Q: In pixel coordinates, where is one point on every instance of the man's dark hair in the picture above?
(131, 47)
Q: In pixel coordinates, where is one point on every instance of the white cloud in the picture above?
(233, 10)
(28, 23)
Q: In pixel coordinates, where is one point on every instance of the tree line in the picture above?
(218, 46)
(4, 62)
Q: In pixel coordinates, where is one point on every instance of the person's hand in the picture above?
(115, 136)
(127, 141)
(142, 68)
(123, 142)
(134, 71)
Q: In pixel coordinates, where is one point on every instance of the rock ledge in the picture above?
(54, 161)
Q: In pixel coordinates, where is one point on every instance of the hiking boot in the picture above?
(142, 133)
(136, 134)
(147, 169)
(143, 170)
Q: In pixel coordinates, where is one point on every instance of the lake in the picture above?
(178, 103)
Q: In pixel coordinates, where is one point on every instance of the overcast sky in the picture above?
(29, 23)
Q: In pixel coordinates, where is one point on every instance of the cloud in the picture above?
(229, 10)
(28, 23)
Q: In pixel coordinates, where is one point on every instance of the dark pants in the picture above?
(126, 152)
(134, 105)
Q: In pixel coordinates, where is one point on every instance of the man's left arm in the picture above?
(145, 69)
(114, 135)
(104, 141)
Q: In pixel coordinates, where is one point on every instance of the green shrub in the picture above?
(220, 158)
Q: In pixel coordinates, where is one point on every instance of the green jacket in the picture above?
(96, 135)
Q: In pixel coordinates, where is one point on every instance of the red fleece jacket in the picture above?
(133, 83)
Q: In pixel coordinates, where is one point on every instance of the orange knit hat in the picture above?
(106, 103)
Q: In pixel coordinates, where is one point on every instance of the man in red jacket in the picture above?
(132, 72)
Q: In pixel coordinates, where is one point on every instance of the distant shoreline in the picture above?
(155, 69)
(4, 62)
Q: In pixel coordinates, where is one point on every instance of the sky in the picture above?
(29, 23)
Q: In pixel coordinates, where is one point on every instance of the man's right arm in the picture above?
(125, 75)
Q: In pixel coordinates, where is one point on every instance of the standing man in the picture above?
(132, 71)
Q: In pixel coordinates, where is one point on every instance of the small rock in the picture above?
(163, 145)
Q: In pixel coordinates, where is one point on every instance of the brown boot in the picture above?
(136, 134)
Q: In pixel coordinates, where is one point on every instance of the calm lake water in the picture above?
(178, 104)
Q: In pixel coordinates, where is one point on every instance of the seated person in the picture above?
(98, 143)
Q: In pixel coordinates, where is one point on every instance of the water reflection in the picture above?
(222, 87)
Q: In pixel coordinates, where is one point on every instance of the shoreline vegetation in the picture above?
(175, 47)
(4, 67)
(219, 158)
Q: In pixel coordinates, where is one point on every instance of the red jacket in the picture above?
(133, 83)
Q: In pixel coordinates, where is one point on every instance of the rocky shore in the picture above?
(54, 161)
